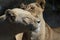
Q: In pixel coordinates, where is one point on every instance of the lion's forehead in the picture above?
(32, 4)
(18, 11)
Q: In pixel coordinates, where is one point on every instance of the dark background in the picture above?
(52, 13)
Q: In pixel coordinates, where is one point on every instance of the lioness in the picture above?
(16, 21)
(20, 17)
(43, 31)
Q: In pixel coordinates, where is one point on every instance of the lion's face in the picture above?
(35, 9)
(23, 17)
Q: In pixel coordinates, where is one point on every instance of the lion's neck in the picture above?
(42, 27)
(46, 32)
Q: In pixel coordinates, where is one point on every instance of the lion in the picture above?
(16, 21)
(36, 10)
(44, 31)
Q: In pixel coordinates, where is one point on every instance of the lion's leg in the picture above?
(19, 36)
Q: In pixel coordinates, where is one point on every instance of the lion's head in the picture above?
(17, 15)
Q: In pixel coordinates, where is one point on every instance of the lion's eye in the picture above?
(32, 7)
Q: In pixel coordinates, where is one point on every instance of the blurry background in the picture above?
(52, 13)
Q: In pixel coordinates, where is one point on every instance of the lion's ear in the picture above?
(10, 16)
(7, 11)
(42, 3)
(37, 5)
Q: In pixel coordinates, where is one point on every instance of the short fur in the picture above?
(16, 21)
(45, 32)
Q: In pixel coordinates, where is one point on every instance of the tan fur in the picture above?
(36, 11)
(57, 29)
(19, 36)
(46, 32)
(23, 17)
(41, 2)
